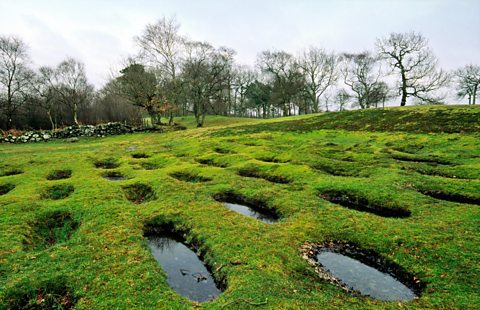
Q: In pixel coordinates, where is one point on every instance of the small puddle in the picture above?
(250, 212)
(187, 275)
(362, 278)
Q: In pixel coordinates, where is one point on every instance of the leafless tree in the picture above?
(163, 48)
(205, 73)
(70, 85)
(468, 82)
(15, 76)
(362, 73)
(243, 77)
(287, 79)
(410, 56)
(319, 69)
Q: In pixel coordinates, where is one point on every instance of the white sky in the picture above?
(100, 33)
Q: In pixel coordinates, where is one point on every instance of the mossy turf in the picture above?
(105, 263)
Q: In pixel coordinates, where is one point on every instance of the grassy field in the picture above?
(422, 161)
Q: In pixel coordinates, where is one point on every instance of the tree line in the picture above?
(172, 75)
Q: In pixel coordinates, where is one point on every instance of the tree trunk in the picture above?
(404, 89)
(170, 120)
(49, 113)
(474, 94)
(75, 108)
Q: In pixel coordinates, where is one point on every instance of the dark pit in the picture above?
(189, 177)
(58, 191)
(59, 174)
(138, 193)
(186, 273)
(452, 197)
(362, 272)
(211, 162)
(359, 203)
(5, 188)
(222, 150)
(114, 176)
(431, 161)
(50, 228)
(48, 294)
(10, 172)
(254, 173)
(336, 169)
(249, 207)
(140, 155)
(106, 164)
(149, 166)
(272, 159)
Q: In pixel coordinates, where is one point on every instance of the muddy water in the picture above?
(248, 211)
(187, 275)
(364, 279)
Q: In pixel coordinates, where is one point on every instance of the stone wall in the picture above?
(71, 132)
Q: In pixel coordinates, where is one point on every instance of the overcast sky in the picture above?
(100, 33)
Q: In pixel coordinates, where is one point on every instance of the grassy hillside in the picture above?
(305, 168)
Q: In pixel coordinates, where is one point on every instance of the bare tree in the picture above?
(288, 81)
(243, 77)
(361, 72)
(70, 84)
(15, 76)
(318, 67)
(205, 74)
(163, 48)
(410, 56)
(342, 97)
(468, 82)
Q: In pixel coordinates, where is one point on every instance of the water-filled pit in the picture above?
(186, 273)
(363, 278)
(249, 207)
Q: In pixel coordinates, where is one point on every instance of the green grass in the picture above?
(377, 158)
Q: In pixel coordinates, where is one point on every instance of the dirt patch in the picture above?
(54, 293)
(211, 162)
(108, 163)
(50, 228)
(359, 203)
(58, 191)
(139, 193)
(140, 155)
(370, 258)
(255, 173)
(59, 174)
(189, 177)
(5, 188)
(452, 197)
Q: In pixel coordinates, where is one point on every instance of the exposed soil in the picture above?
(10, 172)
(140, 155)
(211, 162)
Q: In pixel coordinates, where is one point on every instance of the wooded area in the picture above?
(172, 75)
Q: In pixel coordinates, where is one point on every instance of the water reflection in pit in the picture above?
(363, 278)
(187, 275)
(250, 212)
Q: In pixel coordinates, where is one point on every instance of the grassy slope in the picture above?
(109, 265)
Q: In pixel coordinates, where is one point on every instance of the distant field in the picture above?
(403, 183)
